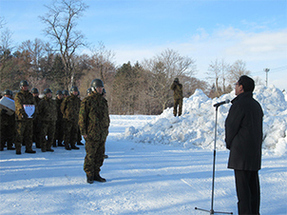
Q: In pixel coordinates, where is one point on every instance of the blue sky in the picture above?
(254, 31)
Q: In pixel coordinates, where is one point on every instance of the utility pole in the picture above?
(266, 70)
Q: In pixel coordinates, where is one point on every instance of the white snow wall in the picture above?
(195, 128)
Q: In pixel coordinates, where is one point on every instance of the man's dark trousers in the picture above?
(248, 191)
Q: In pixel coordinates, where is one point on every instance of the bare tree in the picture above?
(217, 72)
(61, 22)
(36, 51)
(6, 40)
(5, 56)
(102, 61)
(237, 69)
(2, 22)
(164, 68)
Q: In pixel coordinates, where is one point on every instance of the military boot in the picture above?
(67, 146)
(18, 152)
(30, 151)
(79, 143)
(60, 143)
(10, 146)
(90, 179)
(98, 178)
(74, 147)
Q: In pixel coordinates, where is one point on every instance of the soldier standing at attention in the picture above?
(48, 117)
(177, 96)
(79, 136)
(36, 122)
(7, 126)
(94, 123)
(89, 91)
(70, 109)
(24, 123)
(59, 122)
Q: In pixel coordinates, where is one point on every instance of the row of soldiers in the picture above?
(52, 121)
(48, 116)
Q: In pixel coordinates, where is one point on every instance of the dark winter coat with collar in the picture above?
(243, 133)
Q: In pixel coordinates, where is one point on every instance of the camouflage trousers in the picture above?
(94, 159)
(24, 133)
(177, 103)
(48, 129)
(70, 132)
(59, 132)
(7, 135)
(37, 132)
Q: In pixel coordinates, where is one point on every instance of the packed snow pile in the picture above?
(195, 128)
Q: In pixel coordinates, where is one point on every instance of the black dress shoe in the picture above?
(30, 151)
(67, 148)
(18, 152)
(75, 147)
(98, 178)
(80, 143)
(50, 150)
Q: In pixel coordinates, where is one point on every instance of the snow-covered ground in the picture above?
(156, 165)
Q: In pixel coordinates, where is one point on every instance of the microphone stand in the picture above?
(211, 211)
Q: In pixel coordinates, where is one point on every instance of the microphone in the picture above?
(221, 103)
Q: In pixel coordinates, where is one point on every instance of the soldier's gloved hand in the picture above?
(3, 111)
(24, 116)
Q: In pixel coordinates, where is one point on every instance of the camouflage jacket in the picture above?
(23, 98)
(70, 108)
(94, 117)
(177, 90)
(37, 100)
(58, 105)
(47, 110)
(7, 120)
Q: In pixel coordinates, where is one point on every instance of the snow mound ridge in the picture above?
(195, 128)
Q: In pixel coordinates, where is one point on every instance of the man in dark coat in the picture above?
(177, 96)
(243, 137)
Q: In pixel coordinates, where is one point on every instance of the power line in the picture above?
(273, 70)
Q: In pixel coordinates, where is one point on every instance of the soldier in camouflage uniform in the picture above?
(24, 125)
(36, 122)
(94, 124)
(89, 91)
(7, 126)
(48, 116)
(59, 122)
(65, 93)
(177, 96)
(79, 136)
(70, 109)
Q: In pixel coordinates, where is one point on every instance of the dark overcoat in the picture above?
(243, 133)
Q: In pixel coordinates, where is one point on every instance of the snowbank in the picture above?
(195, 128)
